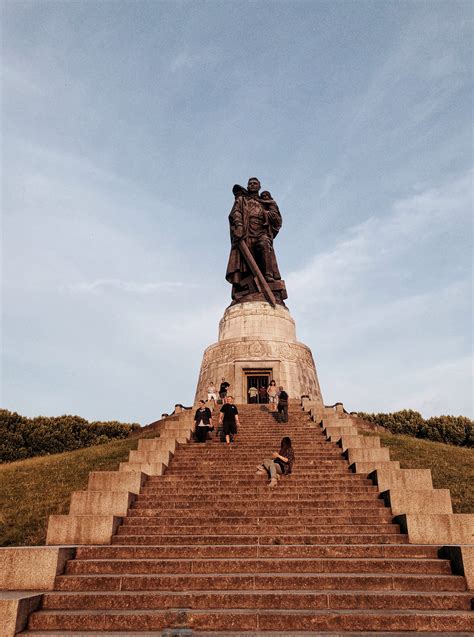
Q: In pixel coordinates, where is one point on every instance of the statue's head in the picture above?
(253, 185)
(265, 195)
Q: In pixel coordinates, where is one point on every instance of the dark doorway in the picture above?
(259, 380)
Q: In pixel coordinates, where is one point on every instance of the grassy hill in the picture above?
(35, 488)
(451, 467)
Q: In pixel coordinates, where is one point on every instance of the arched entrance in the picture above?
(259, 378)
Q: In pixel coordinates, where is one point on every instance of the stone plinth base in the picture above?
(256, 339)
(32, 568)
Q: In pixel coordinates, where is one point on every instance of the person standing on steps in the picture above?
(229, 419)
(272, 395)
(281, 462)
(212, 393)
(282, 405)
(202, 421)
(253, 394)
(262, 394)
(223, 389)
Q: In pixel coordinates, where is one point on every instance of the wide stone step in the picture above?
(262, 432)
(302, 444)
(275, 431)
(245, 528)
(305, 446)
(259, 599)
(303, 478)
(262, 538)
(216, 449)
(235, 517)
(220, 451)
(343, 500)
(322, 469)
(202, 476)
(261, 581)
(255, 481)
(265, 431)
(412, 551)
(245, 463)
(246, 488)
(212, 503)
(258, 486)
(252, 423)
(325, 516)
(185, 632)
(257, 565)
(236, 477)
(236, 619)
(207, 468)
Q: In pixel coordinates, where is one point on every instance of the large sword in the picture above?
(258, 276)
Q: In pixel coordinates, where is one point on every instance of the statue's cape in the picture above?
(238, 190)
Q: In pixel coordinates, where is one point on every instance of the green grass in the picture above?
(33, 489)
(451, 467)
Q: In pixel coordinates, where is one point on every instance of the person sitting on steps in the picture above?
(281, 463)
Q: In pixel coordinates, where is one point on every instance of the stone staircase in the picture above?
(208, 549)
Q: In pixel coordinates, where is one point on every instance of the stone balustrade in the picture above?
(424, 513)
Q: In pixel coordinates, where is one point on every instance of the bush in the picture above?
(454, 430)
(22, 437)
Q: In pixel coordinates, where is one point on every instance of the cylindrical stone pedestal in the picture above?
(258, 340)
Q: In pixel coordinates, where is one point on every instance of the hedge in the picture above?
(22, 437)
(454, 430)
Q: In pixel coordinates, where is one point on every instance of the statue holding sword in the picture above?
(254, 220)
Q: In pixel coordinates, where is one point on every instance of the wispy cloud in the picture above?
(363, 300)
(21, 81)
(371, 245)
(137, 287)
(185, 60)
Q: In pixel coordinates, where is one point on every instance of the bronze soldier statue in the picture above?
(252, 269)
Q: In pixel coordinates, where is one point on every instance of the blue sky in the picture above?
(124, 126)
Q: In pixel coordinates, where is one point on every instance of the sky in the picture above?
(124, 126)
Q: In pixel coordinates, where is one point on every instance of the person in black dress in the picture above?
(282, 405)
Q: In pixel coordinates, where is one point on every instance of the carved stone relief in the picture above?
(254, 350)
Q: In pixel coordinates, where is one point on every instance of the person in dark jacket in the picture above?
(223, 389)
(282, 406)
(202, 421)
(262, 394)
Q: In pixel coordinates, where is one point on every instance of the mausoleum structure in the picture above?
(257, 343)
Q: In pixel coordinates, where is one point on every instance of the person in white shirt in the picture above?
(211, 392)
